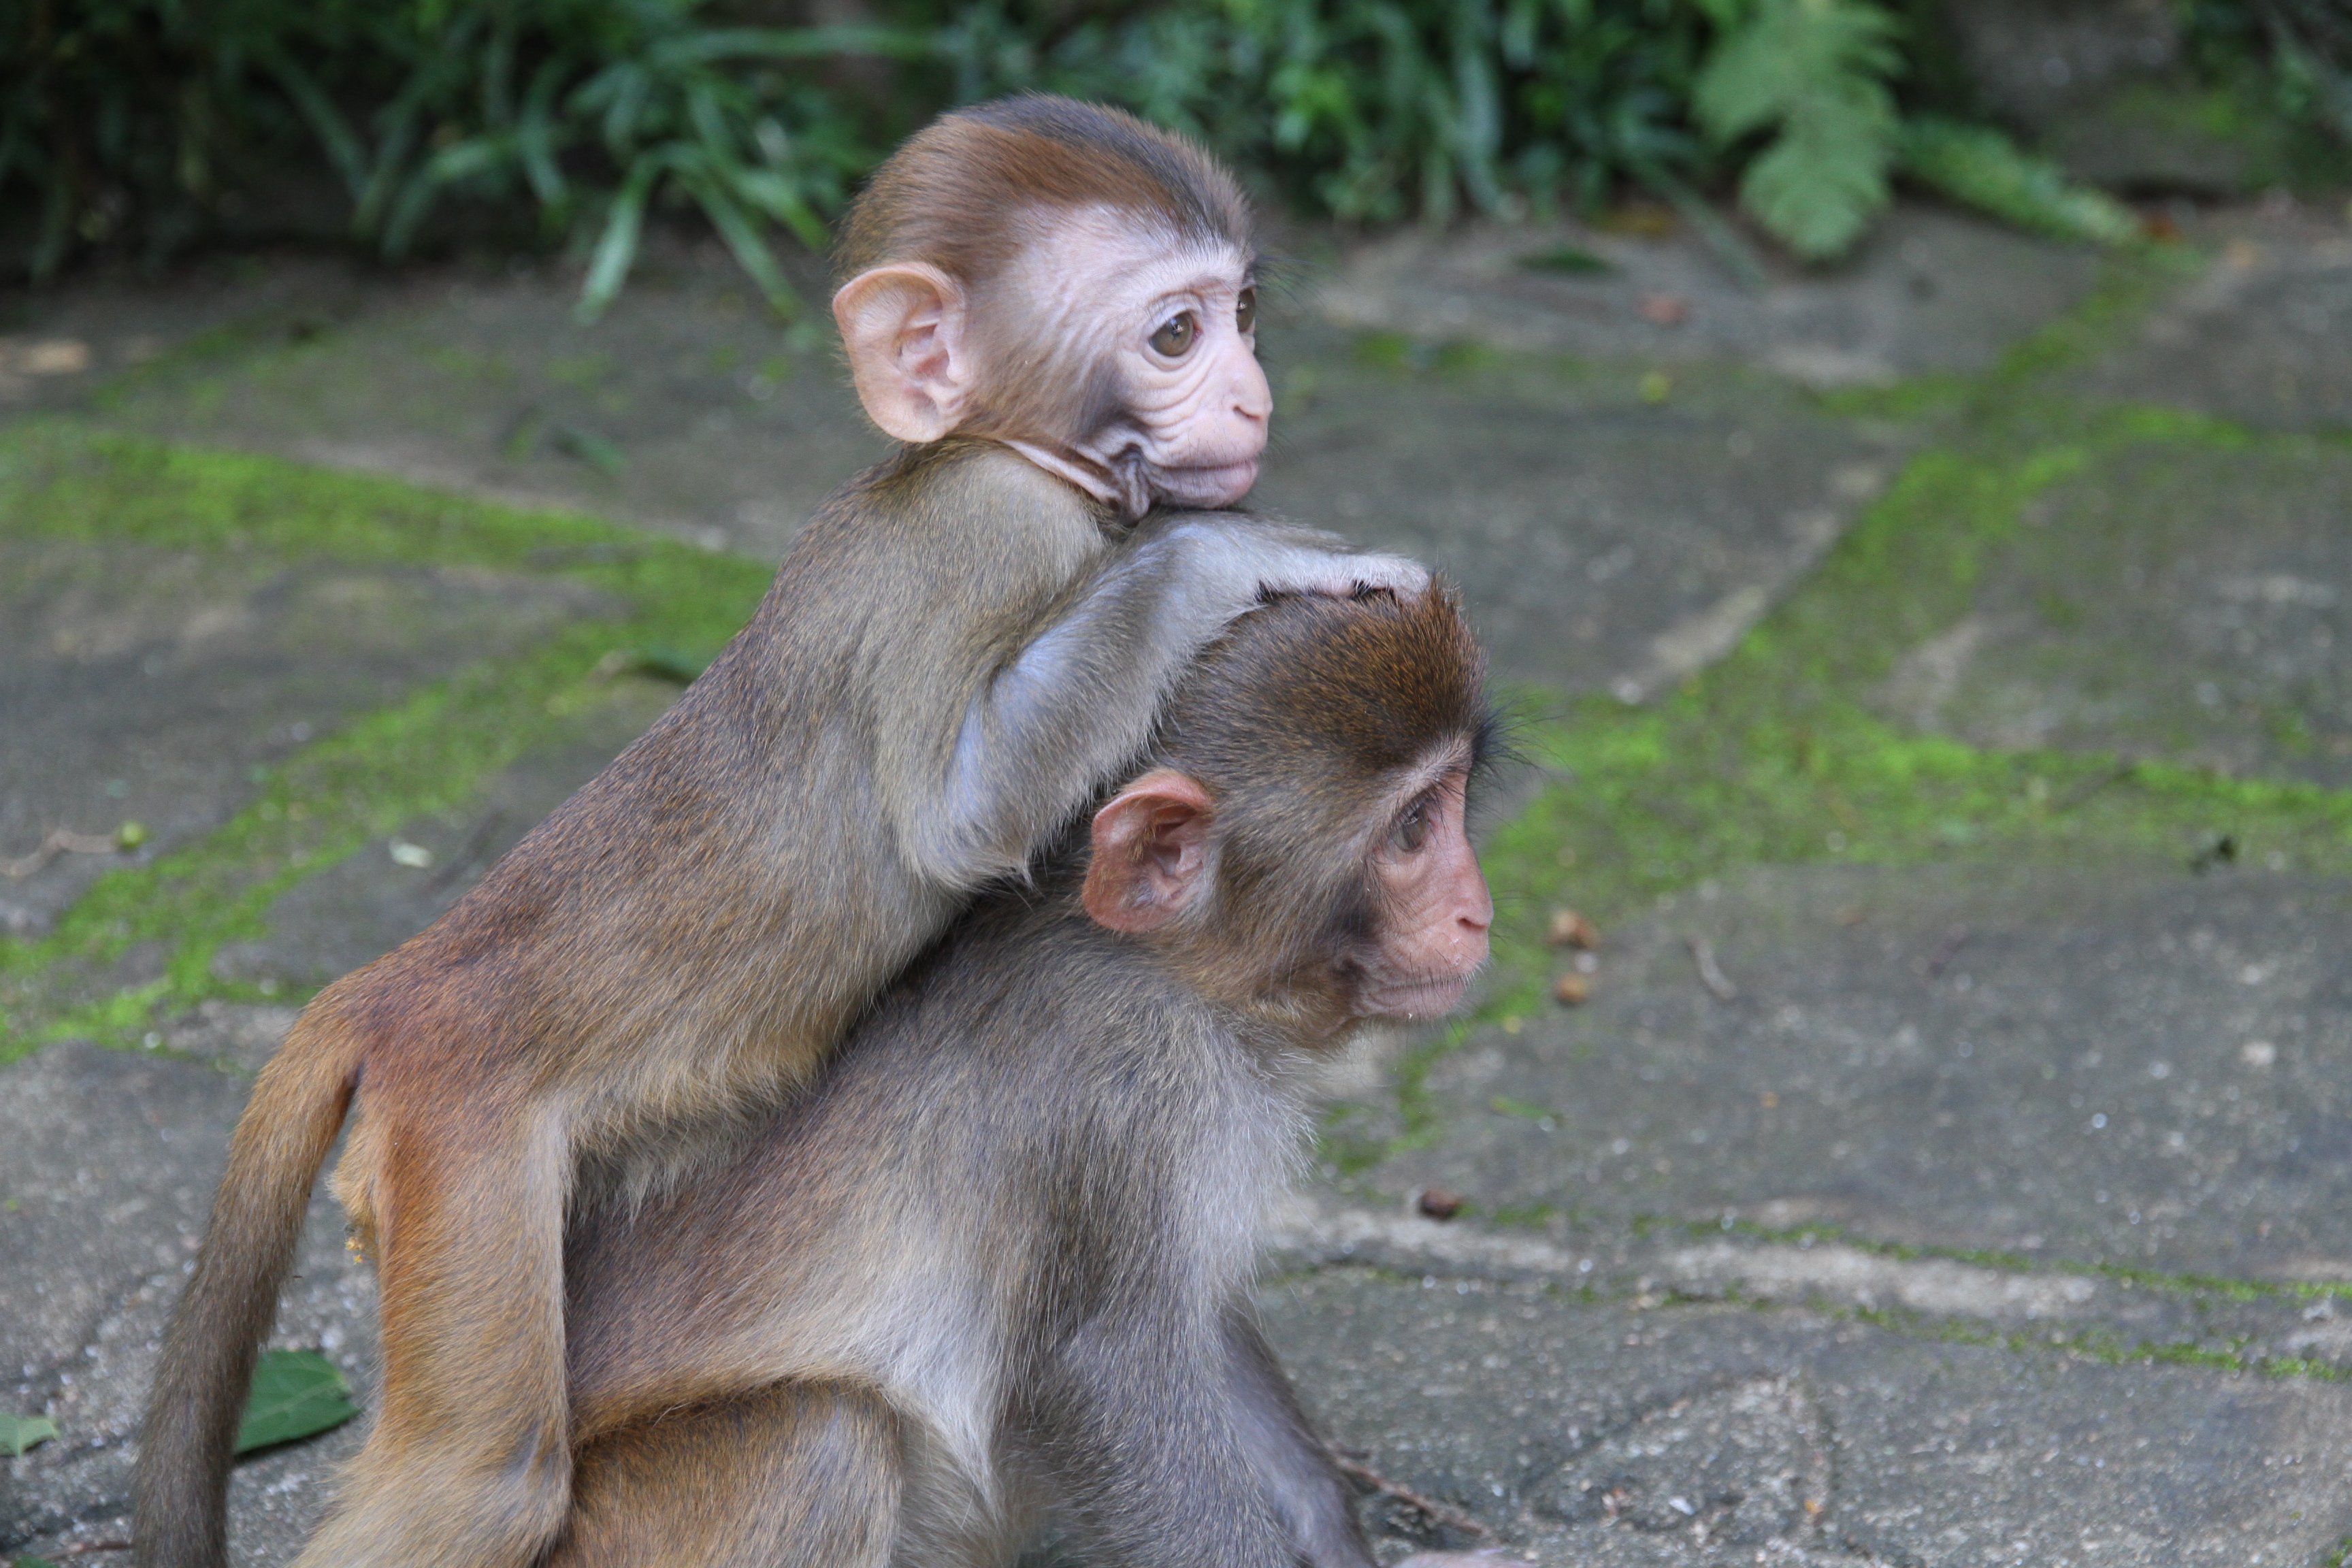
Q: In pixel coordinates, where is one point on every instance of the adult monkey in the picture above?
(962, 645)
(995, 1262)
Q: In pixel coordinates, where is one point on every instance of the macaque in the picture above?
(1052, 304)
(992, 1269)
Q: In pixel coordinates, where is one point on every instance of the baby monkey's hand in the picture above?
(1356, 578)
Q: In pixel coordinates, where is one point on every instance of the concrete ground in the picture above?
(1932, 688)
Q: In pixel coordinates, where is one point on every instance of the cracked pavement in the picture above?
(1953, 1204)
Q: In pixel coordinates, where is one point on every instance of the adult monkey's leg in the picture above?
(799, 1475)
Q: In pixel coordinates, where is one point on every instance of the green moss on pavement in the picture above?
(434, 750)
(1776, 756)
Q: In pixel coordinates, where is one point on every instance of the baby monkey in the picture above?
(1054, 302)
(993, 1270)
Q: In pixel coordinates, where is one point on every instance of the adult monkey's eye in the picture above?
(1176, 335)
(1245, 311)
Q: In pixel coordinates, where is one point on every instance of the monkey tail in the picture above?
(179, 1507)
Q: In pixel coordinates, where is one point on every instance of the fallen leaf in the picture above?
(1567, 260)
(1569, 929)
(1570, 990)
(591, 449)
(1702, 954)
(19, 1433)
(660, 663)
(1640, 220)
(295, 1393)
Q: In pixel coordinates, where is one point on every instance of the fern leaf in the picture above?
(1815, 71)
(1820, 185)
(1980, 167)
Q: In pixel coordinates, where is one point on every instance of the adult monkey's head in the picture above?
(1299, 845)
(1068, 280)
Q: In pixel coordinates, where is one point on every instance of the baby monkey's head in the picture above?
(1072, 282)
(1299, 843)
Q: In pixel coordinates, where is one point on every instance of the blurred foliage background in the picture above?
(140, 127)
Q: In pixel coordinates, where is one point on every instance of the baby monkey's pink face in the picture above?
(1438, 909)
(1171, 327)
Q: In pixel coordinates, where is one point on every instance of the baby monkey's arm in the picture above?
(1078, 700)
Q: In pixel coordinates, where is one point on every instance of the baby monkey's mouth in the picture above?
(1422, 998)
(1208, 484)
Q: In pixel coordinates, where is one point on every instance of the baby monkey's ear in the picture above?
(904, 328)
(1151, 853)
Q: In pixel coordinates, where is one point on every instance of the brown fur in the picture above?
(944, 198)
(1016, 1211)
(799, 1473)
(956, 653)
(684, 939)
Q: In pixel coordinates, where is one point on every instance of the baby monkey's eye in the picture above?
(1245, 311)
(1176, 335)
(1412, 829)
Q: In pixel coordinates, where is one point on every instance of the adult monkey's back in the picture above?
(992, 1268)
(962, 644)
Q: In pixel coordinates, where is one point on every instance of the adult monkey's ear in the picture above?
(909, 352)
(1151, 853)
